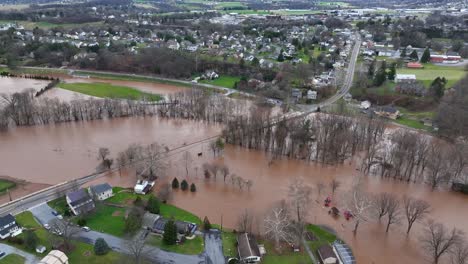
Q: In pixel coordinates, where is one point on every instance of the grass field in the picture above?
(107, 219)
(223, 81)
(191, 247)
(106, 90)
(431, 71)
(6, 184)
(229, 244)
(124, 197)
(168, 211)
(12, 259)
(323, 237)
(286, 257)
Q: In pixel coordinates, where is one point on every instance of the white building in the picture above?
(405, 78)
(101, 191)
(143, 187)
(312, 95)
(8, 227)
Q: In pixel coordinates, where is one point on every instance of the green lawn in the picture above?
(60, 205)
(124, 196)
(431, 71)
(6, 184)
(168, 210)
(413, 123)
(191, 247)
(82, 253)
(229, 243)
(223, 81)
(107, 219)
(324, 237)
(106, 90)
(12, 259)
(288, 256)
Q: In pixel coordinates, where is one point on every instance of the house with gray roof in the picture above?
(8, 227)
(101, 191)
(248, 249)
(80, 201)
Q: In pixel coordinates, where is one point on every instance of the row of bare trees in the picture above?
(414, 157)
(148, 161)
(325, 138)
(213, 170)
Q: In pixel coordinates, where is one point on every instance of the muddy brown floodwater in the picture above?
(55, 153)
(13, 85)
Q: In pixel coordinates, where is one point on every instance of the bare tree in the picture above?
(103, 153)
(122, 161)
(320, 186)
(393, 211)
(245, 221)
(164, 192)
(248, 184)
(415, 210)
(154, 164)
(359, 203)
(437, 240)
(137, 247)
(460, 253)
(225, 171)
(278, 224)
(299, 194)
(334, 185)
(187, 159)
(65, 229)
(380, 204)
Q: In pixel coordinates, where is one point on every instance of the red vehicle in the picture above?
(348, 215)
(328, 201)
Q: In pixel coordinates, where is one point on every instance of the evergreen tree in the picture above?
(153, 205)
(101, 247)
(414, 55)
(371, 69)
(255, 62)
(175, 184)
(184, 185)
(381, 75)
(206, 224)
(134, 220)
(426, 57)
(403, 53)
(437, 88)
(30, 239)
(170, 233)
(280, 56)
(193, 188)
(138, 202)
(392, 72)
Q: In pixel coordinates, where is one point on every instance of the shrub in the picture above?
(193, 188)
(184, 185)
(153, 205)
(16, 240)
(138, 201)
(81, 222)
(175, 183)
(30, 239)
(101, 247)
(206, 224)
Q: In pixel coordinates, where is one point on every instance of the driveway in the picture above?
(214, 247)
(30, 259)
(43, 213)
(155, 254)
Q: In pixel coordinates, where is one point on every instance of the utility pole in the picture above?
(9, 194)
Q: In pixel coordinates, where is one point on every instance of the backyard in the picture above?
(107, 219)
(106, 90)
(223, 81)
(191, 247)
(431, 71)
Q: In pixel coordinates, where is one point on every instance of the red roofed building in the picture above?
(414, 65)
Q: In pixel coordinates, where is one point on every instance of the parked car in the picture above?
(47, 226)
(55, 213)
(2, 254)
(60, 216)
(85, 228)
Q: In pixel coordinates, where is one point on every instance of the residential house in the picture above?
(248, 249)
(183, 228)
(143, 187)
(210, 75)
(405, 78)
(327, 255)
(296, 93)
(387, 111)
(80, 201)
(311, 95)
(8, 227)
(101, 191)
(344, 253)
(414, 65)
(54, 257)
(365, 105)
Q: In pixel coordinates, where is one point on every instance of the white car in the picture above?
(60, 217)
(85, 228)
(46, 226)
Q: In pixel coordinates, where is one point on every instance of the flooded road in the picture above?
(13, 85)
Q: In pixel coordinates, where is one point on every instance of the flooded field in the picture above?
(55, 153)
(13, 85)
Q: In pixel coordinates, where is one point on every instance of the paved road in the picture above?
(153, 253)
(214, 247)
(30, 259)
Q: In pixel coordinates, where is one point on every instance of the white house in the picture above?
(8, 227)
(312, 95)
(101, 191)
(405, 78)
(365, 105)
(143, 187)
(80, 201)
